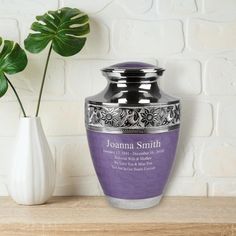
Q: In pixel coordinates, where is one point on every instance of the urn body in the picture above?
(132, 130)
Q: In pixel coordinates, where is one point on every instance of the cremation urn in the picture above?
(132, 130)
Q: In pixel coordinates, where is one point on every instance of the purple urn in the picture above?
(132, 130)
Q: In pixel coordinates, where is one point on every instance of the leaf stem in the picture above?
(43, 81)
(17, 96)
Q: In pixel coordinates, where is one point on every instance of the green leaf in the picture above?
(12, 60)
(65, 28)
(3, 85)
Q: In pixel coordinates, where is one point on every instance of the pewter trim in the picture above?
(134, 203)
(133, 131)
(159, 117)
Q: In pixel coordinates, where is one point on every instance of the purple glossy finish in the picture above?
(133, 68)
(132, 65)
(127, 176)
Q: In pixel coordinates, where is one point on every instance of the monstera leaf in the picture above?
(65, 28)
(12, 60)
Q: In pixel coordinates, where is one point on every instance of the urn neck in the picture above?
(133, 86)
(144, 79)
(132, 93)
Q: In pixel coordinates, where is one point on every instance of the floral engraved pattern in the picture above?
(110, 116)
(150, 116)
(133, 117)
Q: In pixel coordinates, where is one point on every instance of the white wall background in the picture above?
(194, 40)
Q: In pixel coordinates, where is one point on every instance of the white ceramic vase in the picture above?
(32, 175)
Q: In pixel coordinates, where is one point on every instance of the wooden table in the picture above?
(92, 216)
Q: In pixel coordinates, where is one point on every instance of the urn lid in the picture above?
(132, 69)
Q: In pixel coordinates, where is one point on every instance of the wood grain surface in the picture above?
(85, 216)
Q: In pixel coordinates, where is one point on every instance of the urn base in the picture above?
(134, 204)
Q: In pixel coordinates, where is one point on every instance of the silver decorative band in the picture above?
(134, 131)
(137, 119)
